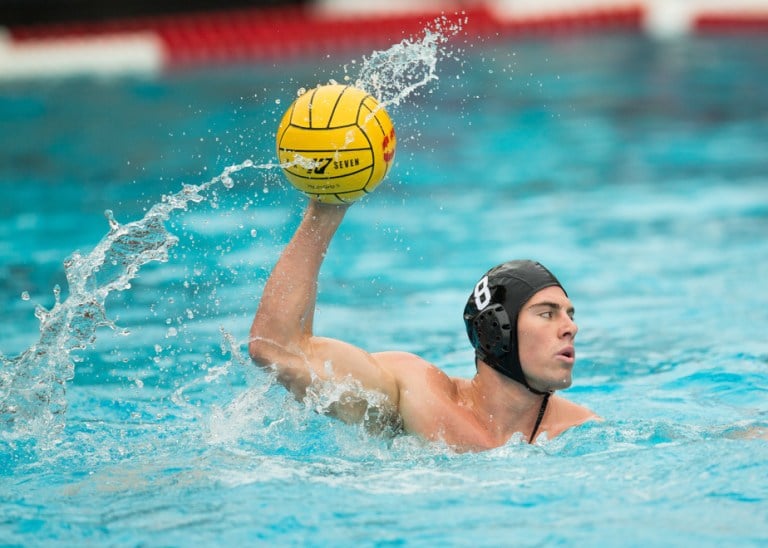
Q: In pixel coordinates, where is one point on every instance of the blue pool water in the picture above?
(636, 170)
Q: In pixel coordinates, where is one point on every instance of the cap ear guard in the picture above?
(492, 331)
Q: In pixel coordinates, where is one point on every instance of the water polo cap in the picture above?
(492, 310)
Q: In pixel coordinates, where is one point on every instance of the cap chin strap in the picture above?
(540, 416)
(512, 371)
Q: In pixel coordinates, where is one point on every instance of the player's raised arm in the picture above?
(281, 334)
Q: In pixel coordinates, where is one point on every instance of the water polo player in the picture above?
(518, 317)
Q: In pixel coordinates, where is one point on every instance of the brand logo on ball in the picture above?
(346, 164)
(320, 165)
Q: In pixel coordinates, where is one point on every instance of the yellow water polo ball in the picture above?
(336, 143)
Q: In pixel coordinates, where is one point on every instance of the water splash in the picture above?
(394, 74)
(33, 384)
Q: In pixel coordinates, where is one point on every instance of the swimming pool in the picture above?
(635, 169)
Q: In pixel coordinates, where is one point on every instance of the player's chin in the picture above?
(553, 383)
(562, 382)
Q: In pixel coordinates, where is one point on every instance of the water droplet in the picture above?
(113, 224)
(172, 332)
(253, 233)
(25, 295)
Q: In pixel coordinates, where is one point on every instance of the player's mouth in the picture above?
(567, 354)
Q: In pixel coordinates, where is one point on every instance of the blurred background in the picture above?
(41, 38)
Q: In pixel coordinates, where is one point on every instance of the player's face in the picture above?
(545, 334)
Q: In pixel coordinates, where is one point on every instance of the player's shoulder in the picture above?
(413, 370)
(397, 359)
(576, 413)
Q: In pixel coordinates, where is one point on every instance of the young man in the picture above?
(519, 319)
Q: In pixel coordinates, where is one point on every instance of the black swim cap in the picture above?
(492, 310)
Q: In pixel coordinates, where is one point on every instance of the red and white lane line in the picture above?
(146, 45)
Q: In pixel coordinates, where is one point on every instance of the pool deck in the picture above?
(152, 44)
